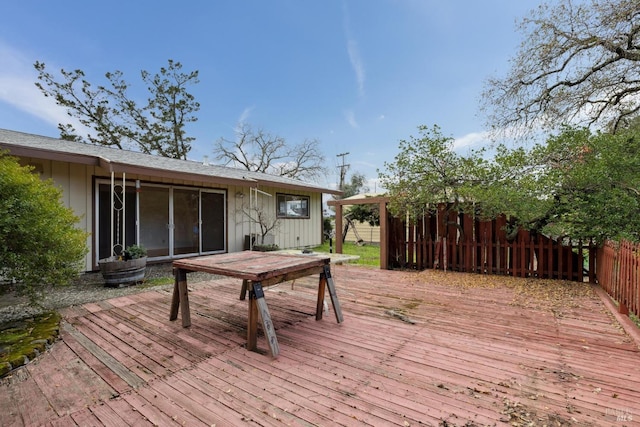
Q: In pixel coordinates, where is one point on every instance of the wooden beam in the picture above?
(384, 236)
(338, 228)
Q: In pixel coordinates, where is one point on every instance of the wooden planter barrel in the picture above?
(120, 273)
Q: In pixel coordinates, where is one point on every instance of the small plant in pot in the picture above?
(134, 252)
(127, 269)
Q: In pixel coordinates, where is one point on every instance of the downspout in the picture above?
(112, 209)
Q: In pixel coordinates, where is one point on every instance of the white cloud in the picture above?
(245, 114)
(351, 119)
(18, 90)
(470, 139)
(356, 63)
(381, 117)
(354, 52)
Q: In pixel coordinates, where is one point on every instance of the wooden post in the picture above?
(252, 323)
(384, 236)
(320, 301)
(410, 245)
(243, 291)
(258, 305)
(327, 280)
(180, 298)
(175, 299)
(592, 261)
(339, 228)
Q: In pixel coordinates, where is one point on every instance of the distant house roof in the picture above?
(364, 196)
(116, 160)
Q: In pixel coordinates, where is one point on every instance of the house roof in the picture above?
(116, 160)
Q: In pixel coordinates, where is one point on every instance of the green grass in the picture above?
(635, 319)
(369, 254)
(156, 281)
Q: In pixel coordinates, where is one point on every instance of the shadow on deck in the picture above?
(414, 349)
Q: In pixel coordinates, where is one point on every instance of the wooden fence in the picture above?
(618, 273)
(460, 242)
(454, 241)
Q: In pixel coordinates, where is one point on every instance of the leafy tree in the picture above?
(115, 120)
(356, 185)
(578, 184)
(259, 151)
(369, 213)
(427, 172)
(578, 63)
(599, 191)
(39, 241)
(516, 184)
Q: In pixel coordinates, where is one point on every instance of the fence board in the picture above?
(618, 273)
(459, 242)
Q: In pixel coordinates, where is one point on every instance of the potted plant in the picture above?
(126, 269)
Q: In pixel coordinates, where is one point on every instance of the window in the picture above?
(290, 206)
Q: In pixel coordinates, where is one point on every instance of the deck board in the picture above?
(412, 350)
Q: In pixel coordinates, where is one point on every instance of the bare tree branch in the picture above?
(259, 151)
(578, 64)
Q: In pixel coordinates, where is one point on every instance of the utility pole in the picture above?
(343, 170)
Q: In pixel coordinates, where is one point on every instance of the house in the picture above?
(174, 208)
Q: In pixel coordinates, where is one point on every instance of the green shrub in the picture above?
(134, 252)
(39, 241)
(266, 248)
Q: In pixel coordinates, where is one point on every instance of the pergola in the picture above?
(381, 201)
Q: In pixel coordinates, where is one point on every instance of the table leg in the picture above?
(175, 299)
(180, 298)
(252, 323)
(321, 287)
(243, 291)
(326, 279)
(258, 305)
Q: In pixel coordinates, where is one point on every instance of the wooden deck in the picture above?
(413, 350)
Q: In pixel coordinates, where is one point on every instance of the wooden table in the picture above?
(257, 270)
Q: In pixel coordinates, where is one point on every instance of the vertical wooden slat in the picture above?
(522, 236)
(432, 242)
(410, 245)
(549, 257)
(419, 233)
(580, 262)
(560, 260)
(569, 269)
(540, 258)
(592, 261)
(489, 247)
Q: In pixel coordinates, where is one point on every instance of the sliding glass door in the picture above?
(154, 220)
(213, 221)
(169, 221)
(186, 233)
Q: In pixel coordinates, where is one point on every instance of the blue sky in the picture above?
(358, 75)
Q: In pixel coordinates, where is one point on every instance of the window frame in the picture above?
(288, 198)
(102, 215)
